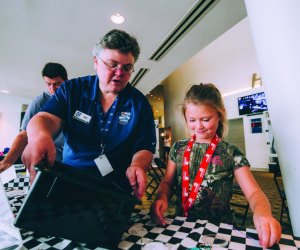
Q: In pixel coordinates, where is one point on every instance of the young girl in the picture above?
(203, 167)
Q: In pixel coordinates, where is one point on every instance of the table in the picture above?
(180, 233)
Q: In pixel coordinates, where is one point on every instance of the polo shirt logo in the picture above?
(78, 115)
(124, 118)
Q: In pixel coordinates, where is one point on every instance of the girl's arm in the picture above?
(164, 192)
(268, 228)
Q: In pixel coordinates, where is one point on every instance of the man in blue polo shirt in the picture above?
(108, 124)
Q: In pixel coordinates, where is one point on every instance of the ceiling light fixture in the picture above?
(235, 92)
(117, 18)
(4, 91)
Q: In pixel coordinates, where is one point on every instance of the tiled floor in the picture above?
(266, 182)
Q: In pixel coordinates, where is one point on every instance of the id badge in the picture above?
(103, 164)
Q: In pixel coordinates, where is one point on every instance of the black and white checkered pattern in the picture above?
(18, 183)
(180, 233)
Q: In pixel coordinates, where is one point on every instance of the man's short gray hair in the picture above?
(118, 40)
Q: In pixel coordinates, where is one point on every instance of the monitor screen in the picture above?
(252, 104)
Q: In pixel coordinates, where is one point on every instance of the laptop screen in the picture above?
(68, 203)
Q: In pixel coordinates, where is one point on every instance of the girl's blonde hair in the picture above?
(208, 94)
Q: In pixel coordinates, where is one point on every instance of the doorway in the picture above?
(165, 142)
(236, 133)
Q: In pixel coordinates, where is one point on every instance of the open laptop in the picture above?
(68, 203)
(10, 236)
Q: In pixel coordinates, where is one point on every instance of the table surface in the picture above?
(179, 233)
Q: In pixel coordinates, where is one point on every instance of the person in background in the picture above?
(108, 124)
(54, 74)
(203, 167)
(167, 146)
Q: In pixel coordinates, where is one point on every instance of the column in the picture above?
(276, 35)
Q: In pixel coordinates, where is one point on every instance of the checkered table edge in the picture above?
(180, 233)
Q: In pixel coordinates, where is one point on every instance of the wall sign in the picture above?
(256, 125)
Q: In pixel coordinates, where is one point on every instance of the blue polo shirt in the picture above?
(131, 129)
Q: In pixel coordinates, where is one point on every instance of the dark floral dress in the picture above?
(213, 199)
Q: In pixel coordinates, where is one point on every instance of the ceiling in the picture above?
(34, 32)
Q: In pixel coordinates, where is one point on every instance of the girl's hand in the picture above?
(268, 229)
(157, 210)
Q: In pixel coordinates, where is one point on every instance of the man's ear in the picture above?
(95, 59)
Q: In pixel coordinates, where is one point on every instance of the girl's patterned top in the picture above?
(213, 200)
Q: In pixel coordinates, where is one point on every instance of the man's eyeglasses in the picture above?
(113, 67)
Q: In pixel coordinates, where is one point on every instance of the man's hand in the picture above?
(41, 149)
(137, 179)
(40, 130)
(136, 172)
(15, 151)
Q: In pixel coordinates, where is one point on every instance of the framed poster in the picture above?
(256, 126)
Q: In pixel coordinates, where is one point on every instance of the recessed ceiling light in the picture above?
(117, 18)
(4, 91)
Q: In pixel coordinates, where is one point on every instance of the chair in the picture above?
(160, 164)
(239, 200)
(155, 174)
(279, 185)
(162, 167)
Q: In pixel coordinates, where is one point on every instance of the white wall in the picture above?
(229, 60)
(10, 114)
(276, 34)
